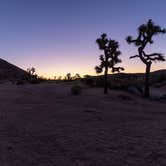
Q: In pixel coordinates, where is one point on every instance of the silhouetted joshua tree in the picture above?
(145, 34)
(31, 71)
(68, 76)
(77, 76)
(109, 59)
(33, 77)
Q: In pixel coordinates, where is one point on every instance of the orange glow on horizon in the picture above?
(52, 74)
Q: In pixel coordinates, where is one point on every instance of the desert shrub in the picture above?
(33, 79)
(158, 79)
(89, 81)
(19, 82)
(41, 79)
(136, 89)
(76, 89)
(99, 82)
(160, 84)
(118, 83)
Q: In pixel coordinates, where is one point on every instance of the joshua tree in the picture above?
(68, 76)
(145, 34)
(31, 71)
(77, 76)
(109, 59)
(32, 75)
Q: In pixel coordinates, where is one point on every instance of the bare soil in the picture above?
(45, 125)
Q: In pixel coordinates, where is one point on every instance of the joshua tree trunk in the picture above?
(109, 58)
(105, 80)
(147, 91)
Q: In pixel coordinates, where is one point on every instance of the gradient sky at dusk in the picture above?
(58, 36)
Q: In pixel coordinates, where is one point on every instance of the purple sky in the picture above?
(58, 36)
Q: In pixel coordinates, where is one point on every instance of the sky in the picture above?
(58, 36)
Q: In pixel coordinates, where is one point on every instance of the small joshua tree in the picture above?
(68, 77)
(76, 77)
(31, 71)
(145, 34)
(32, 75)
(109, 59)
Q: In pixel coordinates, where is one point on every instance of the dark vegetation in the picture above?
(33, 78)
(109, 59)
(146, 32)
(69, 77)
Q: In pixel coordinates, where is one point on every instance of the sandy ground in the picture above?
(44, 125)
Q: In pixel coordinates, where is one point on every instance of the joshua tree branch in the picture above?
(117, 69)
(155, 56)
(161, 58)
(135, 56)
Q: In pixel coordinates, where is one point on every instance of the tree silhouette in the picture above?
(33, 77)
(109, 59)
(77, 76)
(145, 34)
(31, 71)
(68, 77)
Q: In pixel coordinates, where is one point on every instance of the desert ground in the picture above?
(45, 125)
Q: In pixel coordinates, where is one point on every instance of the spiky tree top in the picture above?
(111, 54)
(145, 35)
(31, 71)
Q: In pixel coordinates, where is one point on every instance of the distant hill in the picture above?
(124, 80)
(158, 72)
(9, 71)
(154, 75)
(122, 75)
